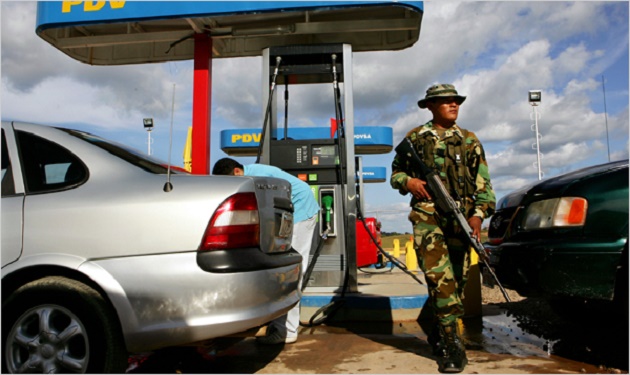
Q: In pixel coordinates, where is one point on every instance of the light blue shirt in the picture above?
(304, 203)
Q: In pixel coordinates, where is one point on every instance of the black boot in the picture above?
(454, 359)
(437, 342)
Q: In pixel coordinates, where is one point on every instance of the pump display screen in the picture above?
(324, 155)
(315, 161)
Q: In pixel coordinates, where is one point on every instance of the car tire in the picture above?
(56, 324)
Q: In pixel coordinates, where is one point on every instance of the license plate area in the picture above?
(286, 225)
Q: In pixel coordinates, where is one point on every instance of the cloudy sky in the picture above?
(494, 52)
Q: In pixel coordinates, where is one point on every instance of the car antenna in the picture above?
(272, 89)
(168, 186)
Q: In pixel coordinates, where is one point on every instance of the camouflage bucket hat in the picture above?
(442, 90)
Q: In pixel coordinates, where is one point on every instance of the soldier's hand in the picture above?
(475, 224)
(417, 187)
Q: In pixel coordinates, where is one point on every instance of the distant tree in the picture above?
(390, 234)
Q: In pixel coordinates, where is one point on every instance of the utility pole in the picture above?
(606, 117)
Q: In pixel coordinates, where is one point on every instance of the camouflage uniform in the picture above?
(443, 253)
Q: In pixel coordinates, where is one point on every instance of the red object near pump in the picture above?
(367, 252)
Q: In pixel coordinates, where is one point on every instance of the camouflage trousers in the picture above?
(443, 256)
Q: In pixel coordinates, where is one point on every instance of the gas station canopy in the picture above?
(136, 32)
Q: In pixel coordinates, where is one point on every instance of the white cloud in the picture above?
(66, 101)
(573, 59)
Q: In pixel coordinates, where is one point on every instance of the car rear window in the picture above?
(48, 166)
(128, 154)
(8, 185)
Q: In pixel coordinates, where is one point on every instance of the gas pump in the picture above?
(327, 165)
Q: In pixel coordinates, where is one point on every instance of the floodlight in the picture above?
(148, 123)
(534, 96)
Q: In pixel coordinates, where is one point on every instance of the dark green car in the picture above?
(565, 236)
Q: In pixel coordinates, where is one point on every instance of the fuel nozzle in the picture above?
(327, 202)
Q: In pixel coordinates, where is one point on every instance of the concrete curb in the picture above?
(388, 296)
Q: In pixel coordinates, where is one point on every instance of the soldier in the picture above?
(443, 254)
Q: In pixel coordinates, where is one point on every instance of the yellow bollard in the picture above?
(188, 151)
(396, 248)
(472, 290)
(410, 259)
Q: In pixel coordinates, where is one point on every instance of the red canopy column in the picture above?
(202, 104)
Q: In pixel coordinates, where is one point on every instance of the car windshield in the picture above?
(130, 155)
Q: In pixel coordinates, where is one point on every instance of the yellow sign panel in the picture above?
(90, 6)
(246, 138)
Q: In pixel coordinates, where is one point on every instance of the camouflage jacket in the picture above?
(480, 201)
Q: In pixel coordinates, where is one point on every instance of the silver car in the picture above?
(107, 252)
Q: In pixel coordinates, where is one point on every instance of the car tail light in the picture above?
(235, 224)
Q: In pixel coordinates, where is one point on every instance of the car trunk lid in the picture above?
(276, 213)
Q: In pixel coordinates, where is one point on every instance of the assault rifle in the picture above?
(447, 204)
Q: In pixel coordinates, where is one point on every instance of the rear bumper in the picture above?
(245, 260)
(171, 301)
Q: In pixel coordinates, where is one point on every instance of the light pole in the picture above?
(534, 99)
(148, 125)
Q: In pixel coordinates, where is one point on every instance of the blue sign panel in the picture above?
(367, 139)
(64, 13)
(374, 174)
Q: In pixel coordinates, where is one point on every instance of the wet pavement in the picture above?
(591, 333)
(521, 337)
(375, 348)
(524, 336)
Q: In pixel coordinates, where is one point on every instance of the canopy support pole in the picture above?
(202, 104)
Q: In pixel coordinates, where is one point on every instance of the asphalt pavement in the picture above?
(376, 330)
